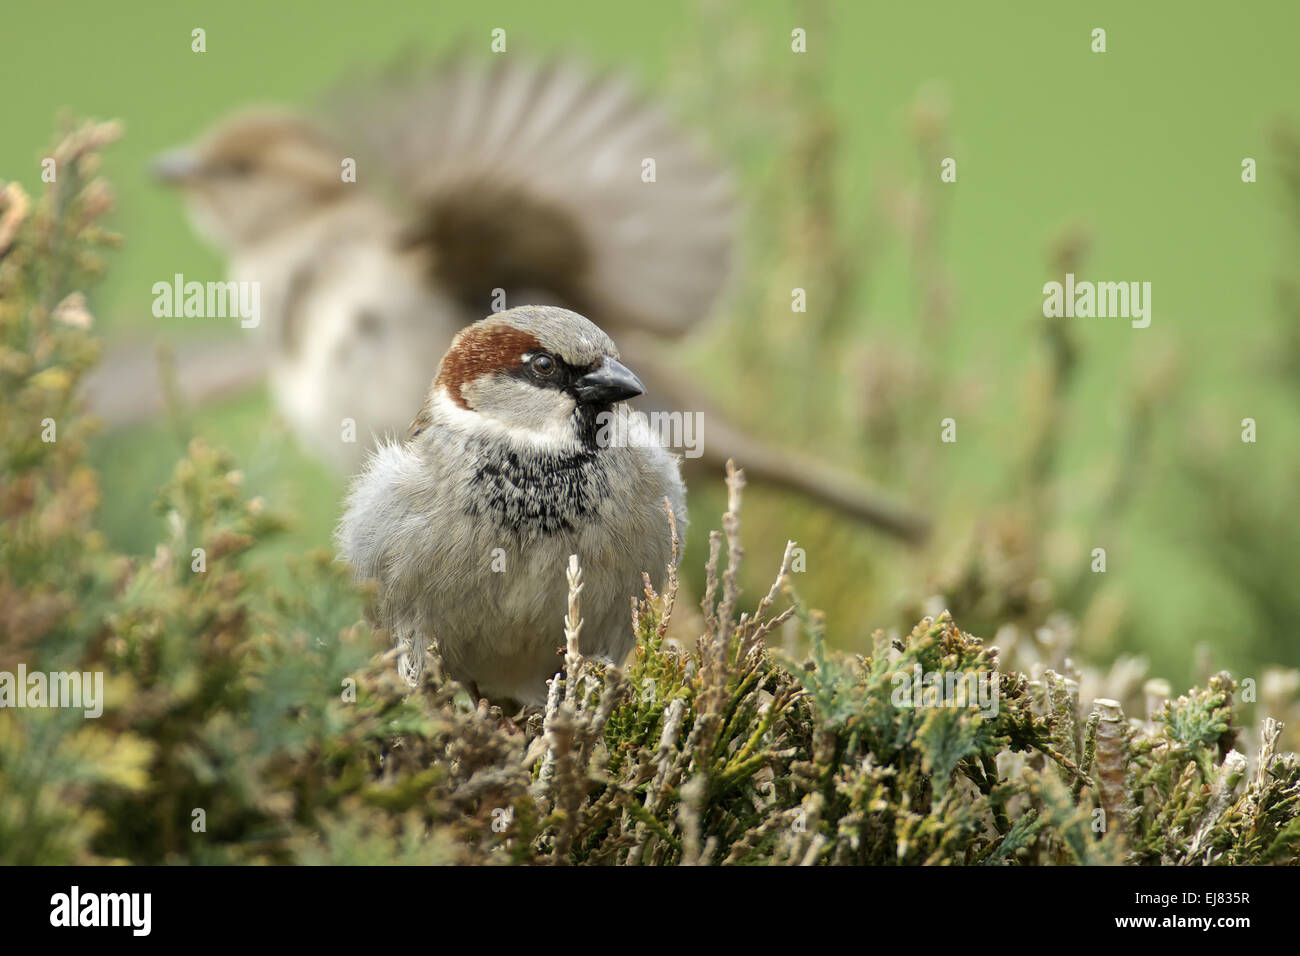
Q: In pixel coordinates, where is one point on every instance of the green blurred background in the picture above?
(1136, 151)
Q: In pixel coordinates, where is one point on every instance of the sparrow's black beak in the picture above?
(175, 166)
(610, 383)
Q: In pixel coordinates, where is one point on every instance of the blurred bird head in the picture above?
(253, 174)
(544, 370)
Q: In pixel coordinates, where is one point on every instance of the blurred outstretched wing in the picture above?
(529, 177)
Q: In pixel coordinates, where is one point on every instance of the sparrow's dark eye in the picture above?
(543, 364)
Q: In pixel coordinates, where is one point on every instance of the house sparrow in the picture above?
(467, 525)
(477, 186)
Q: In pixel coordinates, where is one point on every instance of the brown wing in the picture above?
(528, 176)
(487, 235)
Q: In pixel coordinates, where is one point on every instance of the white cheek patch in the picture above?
(519, 414)
(206, 223)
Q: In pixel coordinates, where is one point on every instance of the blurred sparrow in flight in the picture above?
(467, 525)
(477, 187)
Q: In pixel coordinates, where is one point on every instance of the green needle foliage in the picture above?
(246, 722)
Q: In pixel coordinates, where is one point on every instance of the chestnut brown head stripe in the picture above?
(480, 351)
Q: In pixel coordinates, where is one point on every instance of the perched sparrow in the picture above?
(467, 525)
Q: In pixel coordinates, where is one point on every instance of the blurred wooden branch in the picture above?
(768, 461)
(127, 387)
